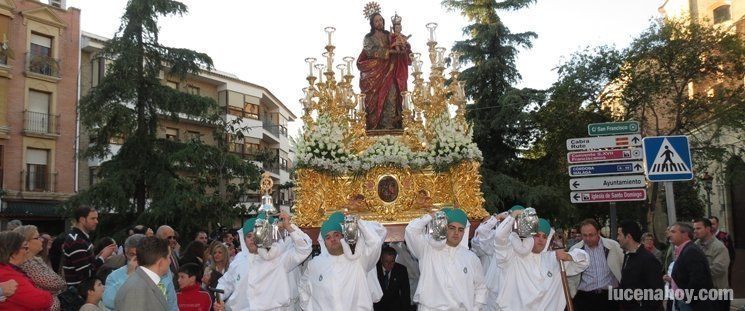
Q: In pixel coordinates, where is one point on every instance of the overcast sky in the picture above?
(266, 42)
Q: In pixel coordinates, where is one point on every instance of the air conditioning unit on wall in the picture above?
(57, 3)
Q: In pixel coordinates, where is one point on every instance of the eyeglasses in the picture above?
(171, 237)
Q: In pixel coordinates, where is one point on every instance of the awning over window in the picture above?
(32, 209)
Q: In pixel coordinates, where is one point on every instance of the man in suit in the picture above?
(144, 289)
(394, 280)
(690, 269)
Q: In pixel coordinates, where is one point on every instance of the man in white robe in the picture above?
(259, 279)
(343, 277)
(484, 245)
(531, 275)
(451, 276)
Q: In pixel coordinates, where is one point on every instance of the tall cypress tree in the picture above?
(500, 113)
(184, 183)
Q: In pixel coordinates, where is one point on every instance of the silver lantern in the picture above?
(438, 226)
(526, 224)
(267, 206)
(263, 233)
(350, 229)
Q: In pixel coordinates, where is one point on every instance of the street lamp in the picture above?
(707, 179)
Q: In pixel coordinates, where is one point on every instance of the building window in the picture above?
(172, 84)
(172, 134)
(721, 14)
(37, 174)
(283, 164)
(37, 118)
(93, 175)
(40, 56)
(98, 70)
(194, 135)
(252, 149)
(251, 111)
(193, 90)
(116, 139)
(41, 45)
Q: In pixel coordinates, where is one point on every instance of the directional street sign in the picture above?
(608, 195)
(608, 182)
(605, 155)
(606, 169)
(667, 158)
(602, 142)
(613, 128)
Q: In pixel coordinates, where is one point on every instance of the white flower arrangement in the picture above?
(451, 145)
(325, 150)
(387, 150)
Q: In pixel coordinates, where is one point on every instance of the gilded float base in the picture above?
(390, 195)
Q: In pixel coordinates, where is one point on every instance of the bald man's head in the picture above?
(167, 233)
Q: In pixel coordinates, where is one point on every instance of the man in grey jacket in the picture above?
(144, 289)
(717, 255)
(590, 288)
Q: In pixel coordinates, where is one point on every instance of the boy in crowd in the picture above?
(190, 297)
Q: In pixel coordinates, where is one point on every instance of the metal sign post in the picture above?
(670, 202)
(613, 220)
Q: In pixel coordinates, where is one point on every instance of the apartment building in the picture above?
(262, 117)
(38, 98)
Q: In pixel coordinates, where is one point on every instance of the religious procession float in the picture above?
(391, 152)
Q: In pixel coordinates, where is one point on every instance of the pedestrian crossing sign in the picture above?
(667, 158)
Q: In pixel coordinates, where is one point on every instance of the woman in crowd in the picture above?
(13, 253)
(218, 267)
(36, 269)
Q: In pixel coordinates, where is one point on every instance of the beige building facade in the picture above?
(38, 100)
(262, 117)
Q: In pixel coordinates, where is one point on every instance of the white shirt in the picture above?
(262, 281)
(534, 279)
(153, 276)
(451, 278)
(348, 281)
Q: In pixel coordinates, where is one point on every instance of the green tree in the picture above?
(500, 113)
(648, 81)
(155, 180)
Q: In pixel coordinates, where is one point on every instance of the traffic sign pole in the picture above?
(670, 200)
(613, 221)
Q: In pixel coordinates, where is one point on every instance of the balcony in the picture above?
(40, 123)
(272, 167)
(43, 65)
(275, 129)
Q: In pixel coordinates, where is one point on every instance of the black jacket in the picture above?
(641, 270)
(396, 294)
(691, 271)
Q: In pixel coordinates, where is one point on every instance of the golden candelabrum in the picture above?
(320, 193)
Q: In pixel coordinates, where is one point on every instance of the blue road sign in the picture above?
(606, 169)
(667, 158)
